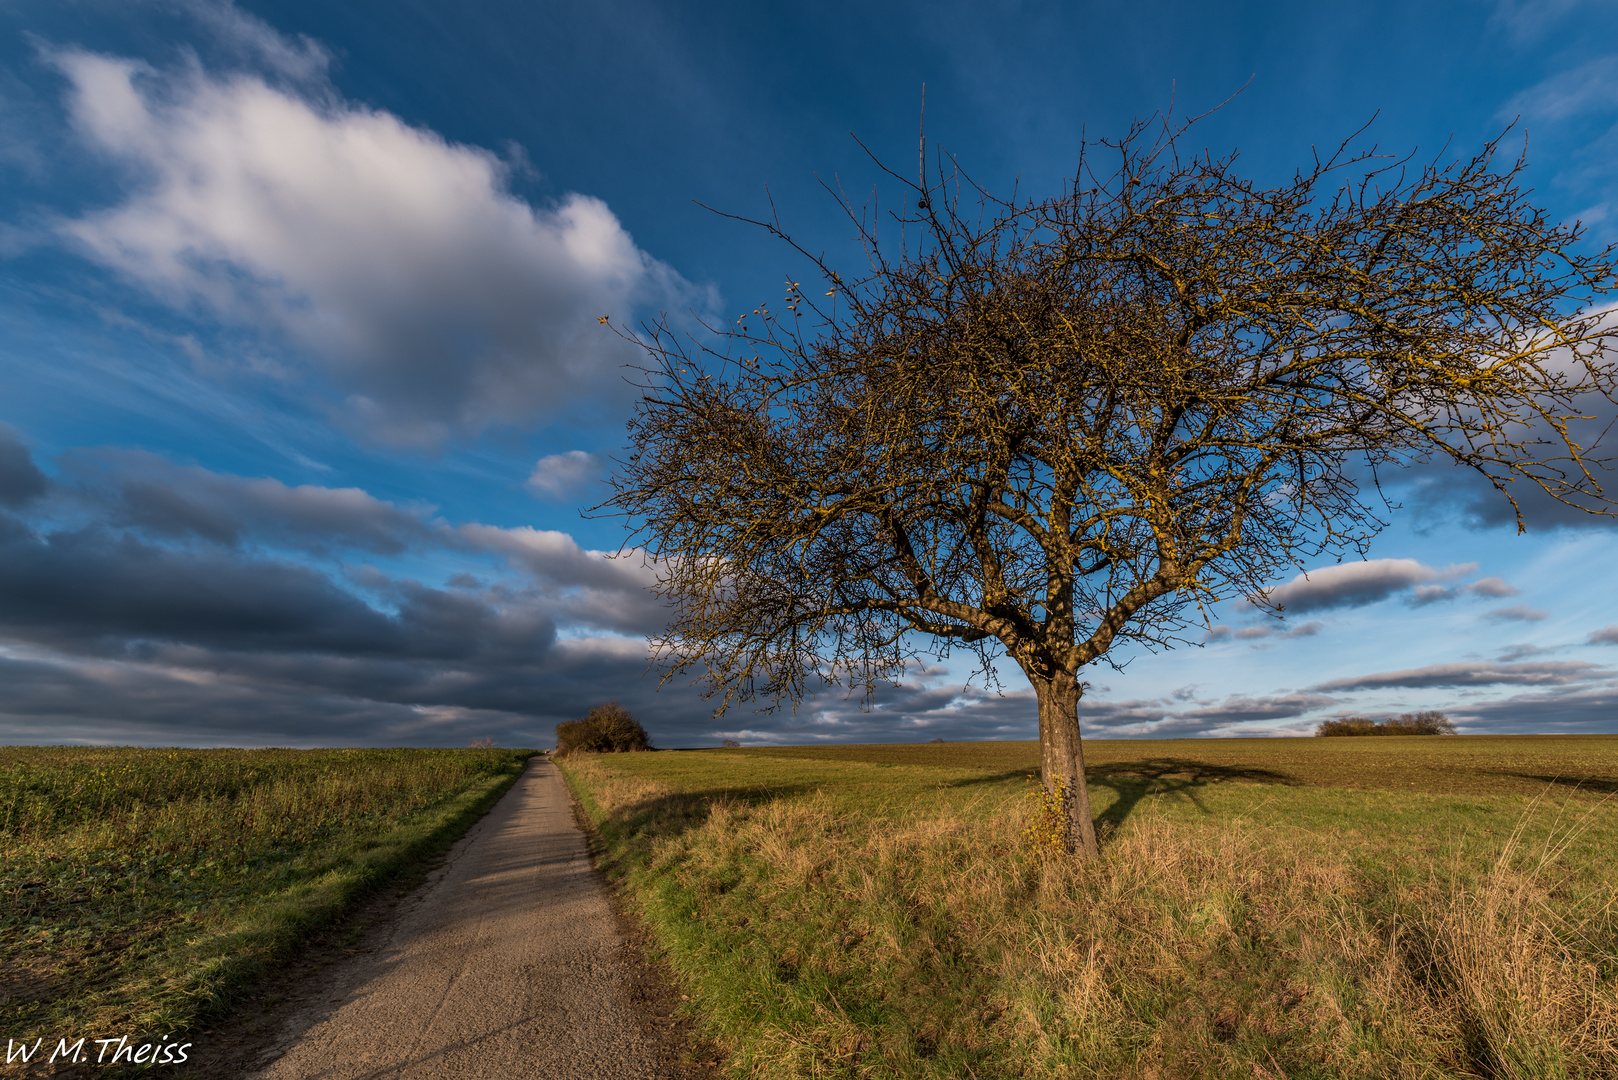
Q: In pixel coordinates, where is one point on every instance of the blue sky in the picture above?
(304, 388)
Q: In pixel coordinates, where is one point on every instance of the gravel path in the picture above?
(508, 963)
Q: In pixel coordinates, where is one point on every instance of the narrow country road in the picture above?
(508, 963)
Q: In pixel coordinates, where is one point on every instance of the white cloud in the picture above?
(558, 475)
(585, 588)
(435, 299)
(556, 556)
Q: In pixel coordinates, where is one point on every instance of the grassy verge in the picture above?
(141, 889)
(1286, 908)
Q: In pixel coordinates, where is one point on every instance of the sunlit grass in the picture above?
(139, 888)
(1263, 908)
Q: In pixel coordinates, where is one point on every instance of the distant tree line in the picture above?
(1430, 722)
(605, 729)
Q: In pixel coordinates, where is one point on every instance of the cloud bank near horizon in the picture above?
(145, 601)
(139, 597)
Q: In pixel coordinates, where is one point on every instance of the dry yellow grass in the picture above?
(851, 918)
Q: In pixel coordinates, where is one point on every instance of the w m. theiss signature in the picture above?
(122, 1049)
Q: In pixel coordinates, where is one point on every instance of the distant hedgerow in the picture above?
(605, 729)
(1430, 722)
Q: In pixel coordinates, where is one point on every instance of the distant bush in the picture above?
(1349, 725)
(605, 729)
(1430, 722)
(730, 744)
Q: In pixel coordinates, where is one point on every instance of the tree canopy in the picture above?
(1047, 427)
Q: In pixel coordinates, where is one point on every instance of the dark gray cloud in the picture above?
(1480, 673)
(1491, 587)
(163, 696)
(21, 481)
(1440, 494)
(1170, 719)
(1245, 709)
(1357, 584)
(1571, 710)
(1462, 497)
(925, 709)
(143, 601)
(133, 493)
(157, 603)
(1522, 652)
(91, 587)
(135, 489)
(909, 712)
(1607, 635)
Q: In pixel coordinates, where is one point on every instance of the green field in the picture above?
(1411, 907)
(139, 889)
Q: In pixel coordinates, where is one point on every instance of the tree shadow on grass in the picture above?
(1134, 780)
(1172, 777)
(678, 812)
(1592, 785)
(991, 778)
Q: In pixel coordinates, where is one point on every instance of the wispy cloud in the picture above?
(1590, 87)
(1527, 20)
(1482, 673)
(1518, 613)
(1263, 632)
(300, 58)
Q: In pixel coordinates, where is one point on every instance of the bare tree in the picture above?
(1053, 426)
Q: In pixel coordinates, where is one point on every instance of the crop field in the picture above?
(1418, 907)
(140, 888)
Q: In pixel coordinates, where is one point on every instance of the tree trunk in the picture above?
(1061, 757)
